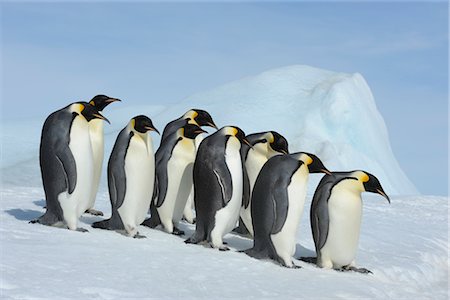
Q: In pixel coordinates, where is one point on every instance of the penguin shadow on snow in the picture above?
(40, 202)
(24, 214)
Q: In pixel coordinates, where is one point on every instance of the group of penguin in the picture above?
(229, 178)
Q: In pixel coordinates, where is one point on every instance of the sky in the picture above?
(149, 52)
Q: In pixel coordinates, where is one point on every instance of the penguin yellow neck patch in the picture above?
(133, 122)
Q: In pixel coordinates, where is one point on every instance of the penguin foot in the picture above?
(138, 236)
(79, 229)
(189, 221)
(94, 212)
(221, 248)
(354, 269)
(191, 240)
(33, 221)
(151, 222)
(177, 231)
(311, 260)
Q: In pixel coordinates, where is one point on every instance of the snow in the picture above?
(330, 114)
(404, 244)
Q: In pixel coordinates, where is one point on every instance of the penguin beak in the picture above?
(99, 116)
(384, 195)
(212, 125)
(111, 100)
(247, 142)
(284, 152)
(325, 171)
(152, 129)
(199, 131)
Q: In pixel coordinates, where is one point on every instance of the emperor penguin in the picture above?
(174, 164)
(97, 142)
(131, 174)
(193, 116)
(66, 162)
(265, 145)
(336, 211)
(277, 205)
(218, 184)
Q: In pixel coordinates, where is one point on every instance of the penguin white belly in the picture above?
(254, 163)
(179, 174)
(344, 210)
(140, 176)
(75, 204)
(284, 241)
(226, 217)
(97, 142)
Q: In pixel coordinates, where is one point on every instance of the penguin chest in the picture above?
(284, 241)
(179, 174)
(80, 145)
(140, 176)
(97, 141)
(97, 144)
(254, 163)
(344, 210)
(227, 217)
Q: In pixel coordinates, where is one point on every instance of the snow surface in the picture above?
(330, 114)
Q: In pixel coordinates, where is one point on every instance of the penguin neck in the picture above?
(145, 137)
(233, 144)
(96, 126)
(351, 186)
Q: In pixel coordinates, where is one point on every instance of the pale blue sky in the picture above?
(162, 53)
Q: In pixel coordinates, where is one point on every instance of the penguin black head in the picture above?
(142, 124)
(202, 118)
(314, 164)
(279, 143)
(372, 184)
(102, 101)
(88, 111)
(190, 131)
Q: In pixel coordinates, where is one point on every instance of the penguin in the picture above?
(265, 145)
(131, 174)
(175, 159)
(335, 215)
(66, 162)
(218, 184)
(97, 142)
(278, 199)
(193, 116)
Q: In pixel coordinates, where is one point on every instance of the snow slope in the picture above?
(331, 114)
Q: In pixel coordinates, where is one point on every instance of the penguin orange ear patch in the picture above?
(92, 103)
(133, 123)
(364, 177)
(80, 107)
(271, 138)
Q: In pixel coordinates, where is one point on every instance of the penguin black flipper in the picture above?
(279, 197)
(223, 176)
(319, 208)
(116, 181)
(65, 157)
(162, 157)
